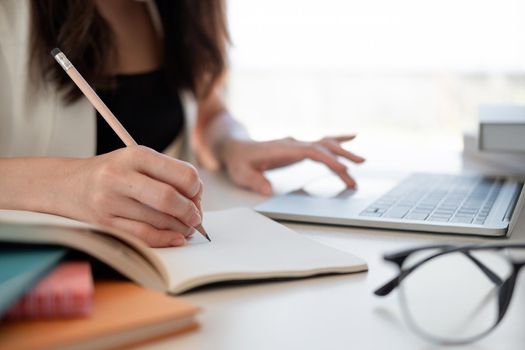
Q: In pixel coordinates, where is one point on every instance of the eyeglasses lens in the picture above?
(453, 298)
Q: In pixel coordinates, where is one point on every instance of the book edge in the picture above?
(61, 235)
(255, 276)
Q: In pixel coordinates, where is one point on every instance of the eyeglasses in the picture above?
(455, 294)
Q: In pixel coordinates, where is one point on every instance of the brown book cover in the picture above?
(123, 314)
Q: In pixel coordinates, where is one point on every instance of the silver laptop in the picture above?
(459, 204)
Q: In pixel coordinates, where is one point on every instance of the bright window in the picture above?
(393, 70)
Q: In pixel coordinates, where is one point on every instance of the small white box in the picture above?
(502, 128)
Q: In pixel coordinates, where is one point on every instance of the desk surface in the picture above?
(332, 312)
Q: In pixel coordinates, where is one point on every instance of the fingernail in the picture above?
(191, 232)
(199, 205)
(196, 219)
(178, 241)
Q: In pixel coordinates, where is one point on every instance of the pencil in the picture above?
(101, 107)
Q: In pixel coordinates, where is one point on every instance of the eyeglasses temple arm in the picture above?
(389, 286)
(398, 259)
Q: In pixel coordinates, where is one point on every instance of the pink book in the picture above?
(67, 291)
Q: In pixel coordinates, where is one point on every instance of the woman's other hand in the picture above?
(246, 161)
(139, 191)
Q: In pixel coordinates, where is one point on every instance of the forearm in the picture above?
(222, 129)
(134, 189)
(215, 129)
(35, 184)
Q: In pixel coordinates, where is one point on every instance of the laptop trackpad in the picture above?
(330, 186)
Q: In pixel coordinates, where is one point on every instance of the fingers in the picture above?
(179, 174)
(153, 196)
(333, 146)
(288, 151)
(162, 197)
(344, 138)
(133, 210)
(197, 200)
(322, 155)
(252, 179)
(150, 235)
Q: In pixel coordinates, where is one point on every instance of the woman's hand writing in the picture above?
(139, 191)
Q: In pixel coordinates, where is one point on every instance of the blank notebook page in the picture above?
(247, 245)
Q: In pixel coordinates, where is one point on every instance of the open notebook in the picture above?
(245, 246)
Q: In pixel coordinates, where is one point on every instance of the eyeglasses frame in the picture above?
(505, 288)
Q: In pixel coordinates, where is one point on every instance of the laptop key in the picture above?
(421, 212)
(442, 199)
(438, 218)
(441, 216)
(467, 211)
(373, 210)
(443, 212)
(416, 216)
(464, 215)
(425, 207)
(461, 220)
(396, 212)
(373, 214)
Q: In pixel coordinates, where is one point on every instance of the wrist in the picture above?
(227, 148)
(218, 139)
(36, 184)
(62, 188)
(222, 148)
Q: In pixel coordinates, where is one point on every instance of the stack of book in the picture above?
(49, 303)
(245, 246)
(66, 291)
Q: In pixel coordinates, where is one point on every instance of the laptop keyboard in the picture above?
(441, 198)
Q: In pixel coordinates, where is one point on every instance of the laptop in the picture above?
(440, 203)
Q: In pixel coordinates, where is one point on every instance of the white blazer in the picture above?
(33, 120)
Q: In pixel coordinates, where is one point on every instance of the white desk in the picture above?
(333, 312)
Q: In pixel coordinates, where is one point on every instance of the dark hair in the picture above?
(195, 38)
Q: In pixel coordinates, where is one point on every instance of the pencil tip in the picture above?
(203, 232)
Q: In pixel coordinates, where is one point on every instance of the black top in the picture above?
(145, 105)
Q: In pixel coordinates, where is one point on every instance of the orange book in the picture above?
(123, 314)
